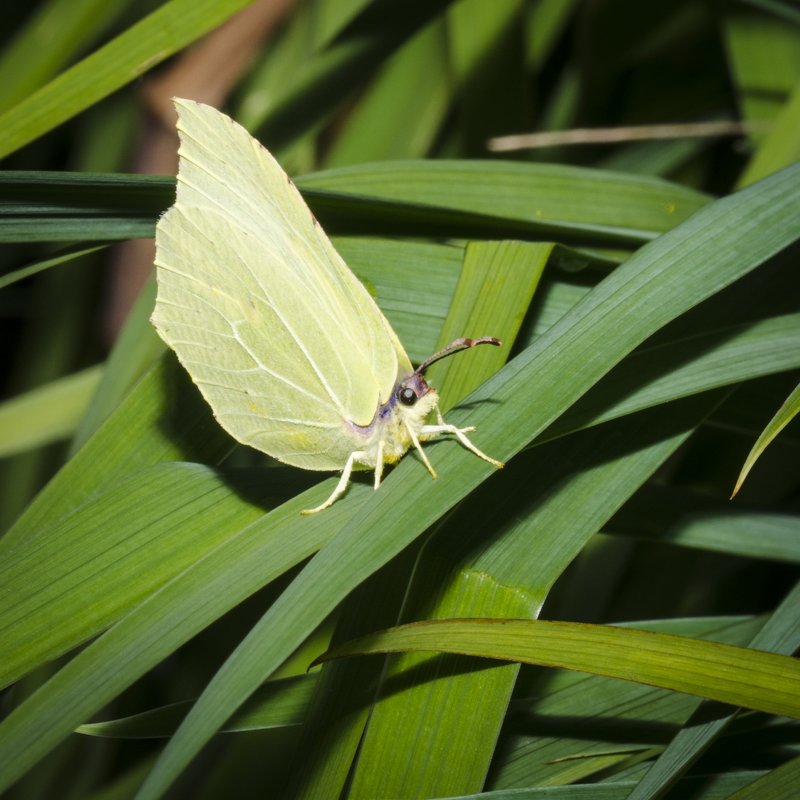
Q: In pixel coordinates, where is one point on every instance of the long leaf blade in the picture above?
(735, 675)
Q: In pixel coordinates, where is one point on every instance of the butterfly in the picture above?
(285, 344)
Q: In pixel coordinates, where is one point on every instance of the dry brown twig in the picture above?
(626, 133)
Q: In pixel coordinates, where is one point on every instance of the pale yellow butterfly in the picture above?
(287, 346)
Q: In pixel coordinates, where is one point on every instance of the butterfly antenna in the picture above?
(455, 347)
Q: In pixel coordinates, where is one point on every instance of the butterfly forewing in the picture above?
(284, 342)
(224, 168)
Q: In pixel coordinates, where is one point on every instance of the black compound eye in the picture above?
(407, 396)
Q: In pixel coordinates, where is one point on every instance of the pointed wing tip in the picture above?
(185, 107)
(181, 104)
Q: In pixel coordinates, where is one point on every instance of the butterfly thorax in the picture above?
(396, 420)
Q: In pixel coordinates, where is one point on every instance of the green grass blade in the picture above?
(52, 37)
(56, 206)
(145, 44)
(685, 519)
(68, 254)
(486, 47)
(783, 416)
(780, 148)
(545, 23)
(554, 199)
(276, 704)
(136, 349)
(707, 787)
(459, 707)
(684, 366)
(763, 58)
(47, 414)
(334, 17)
(401, 112)
(542, 755)
(413, 283)
(493, 294)
(735, 675)
(323, 756)
(781, 783)
(322, 83)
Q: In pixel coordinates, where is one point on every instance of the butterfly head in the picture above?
(414, 397)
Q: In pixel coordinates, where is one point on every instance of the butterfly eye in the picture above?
(407, 396)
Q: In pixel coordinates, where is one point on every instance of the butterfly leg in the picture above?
(432, 431)
(421, 452)
(341, 486)
(379, 465)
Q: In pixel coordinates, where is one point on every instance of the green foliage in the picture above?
(158, 581)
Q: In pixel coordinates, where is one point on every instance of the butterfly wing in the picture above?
(284, 342)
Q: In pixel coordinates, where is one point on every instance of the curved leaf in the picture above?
(783, 416)
(736, 675)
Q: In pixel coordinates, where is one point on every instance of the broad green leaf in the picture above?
(783, 416)
(47, 414)
(719, 244)
(736, 675)
(78, 576)
(163, 32)
(243, 563)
